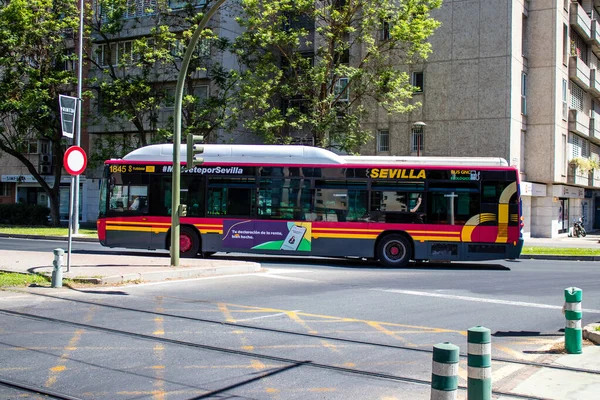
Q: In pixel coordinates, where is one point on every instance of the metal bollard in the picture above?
(57, 271)
(573, 313)
(444, 375)
(479, 361)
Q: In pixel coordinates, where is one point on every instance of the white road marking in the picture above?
(478, 299)
(286, 278)
(265, 316)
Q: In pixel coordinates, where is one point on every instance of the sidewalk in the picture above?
(110, 269)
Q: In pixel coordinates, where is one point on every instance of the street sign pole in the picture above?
(70, 241)
(75, 161)
(176, 174)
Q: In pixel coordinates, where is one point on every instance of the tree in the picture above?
(314, 67)
(134, 75)
(34, 36)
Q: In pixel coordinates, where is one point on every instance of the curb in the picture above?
(561, 258)
(58, 238)
(590, 333)
(163, 276)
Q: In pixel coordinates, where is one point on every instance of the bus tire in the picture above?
(394, 251)
(189, 242)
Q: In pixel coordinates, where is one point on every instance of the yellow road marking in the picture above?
(159, 353)
(388, 332)
(71, 346)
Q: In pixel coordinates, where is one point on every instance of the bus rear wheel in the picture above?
(189, 242)
(394, 251)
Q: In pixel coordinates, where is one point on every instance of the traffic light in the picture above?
(193, 149)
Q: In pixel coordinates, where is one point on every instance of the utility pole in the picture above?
(176, 175)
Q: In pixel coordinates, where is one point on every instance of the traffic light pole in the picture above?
(176, 175)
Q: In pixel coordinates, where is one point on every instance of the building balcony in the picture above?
(595, 82)
(595, 126)
(595, 39)
(579, 72)
(576, 176)
(580, 21)
(579, 122)
(594, 178)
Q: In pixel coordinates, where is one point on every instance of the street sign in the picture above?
(75, 160)
(68, 107)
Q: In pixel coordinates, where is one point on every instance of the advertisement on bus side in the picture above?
(267, 235)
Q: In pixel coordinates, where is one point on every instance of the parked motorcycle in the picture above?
(578, 229)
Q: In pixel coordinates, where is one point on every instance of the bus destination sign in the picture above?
(396, 173)
(464, 175)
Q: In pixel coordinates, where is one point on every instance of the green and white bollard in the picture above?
(479, 362)
(444, 375)
(573, 313)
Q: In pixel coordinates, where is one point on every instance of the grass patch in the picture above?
(45, 231)
(8, 279)
(560, 251)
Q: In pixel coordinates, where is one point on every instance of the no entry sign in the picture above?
(75, 160)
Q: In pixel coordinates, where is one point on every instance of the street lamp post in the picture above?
(176, 174)
(418, 130)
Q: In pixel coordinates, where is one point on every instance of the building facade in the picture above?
(515, 79)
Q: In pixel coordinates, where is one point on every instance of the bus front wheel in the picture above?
(394, 251)
(189, 243)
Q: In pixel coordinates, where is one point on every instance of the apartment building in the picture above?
(507, 78)
(515, 79)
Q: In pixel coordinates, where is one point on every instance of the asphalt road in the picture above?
(304, 329)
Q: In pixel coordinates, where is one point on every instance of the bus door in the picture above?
(128, 201)
(455, 203)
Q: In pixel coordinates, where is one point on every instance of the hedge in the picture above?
(24, 214)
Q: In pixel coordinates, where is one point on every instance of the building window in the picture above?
(385, 30)
(114, 53)
(522, 158)
(563, 155)
(416, 139)
(579, 47)
(565, 105)
(169, 99)
(524, 36)
(576, 97)
(201, 92)
(565, 45)
(418, 81)
(174, 4)
(523, 93)
(383, 140)
(5, 190)
(576, 146)
(340, 90)
(69, 60)
(31, 147)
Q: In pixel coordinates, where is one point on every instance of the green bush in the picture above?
(24, 214)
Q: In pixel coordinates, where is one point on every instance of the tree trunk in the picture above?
(54, 209)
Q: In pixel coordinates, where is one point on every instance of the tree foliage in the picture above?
(33, 44)
(315, 67)
(135, 78)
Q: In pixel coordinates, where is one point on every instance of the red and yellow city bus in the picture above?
(297, 200)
